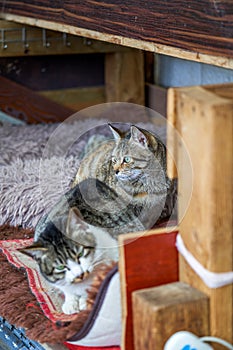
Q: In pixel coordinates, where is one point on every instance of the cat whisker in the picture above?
(96, 263)
(98, 256)
(98, 259)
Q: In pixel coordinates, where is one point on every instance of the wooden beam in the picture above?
(26, 105)
(181, 29)
(76, 98)
(124, 77)
(160, 312)
(147, 259)
(23, 40)
(204, 118)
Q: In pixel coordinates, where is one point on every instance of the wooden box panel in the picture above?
(24, 104)
(146, 260)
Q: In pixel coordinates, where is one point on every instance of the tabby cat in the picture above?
(133, 164)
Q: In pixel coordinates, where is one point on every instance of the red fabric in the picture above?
(78, 347)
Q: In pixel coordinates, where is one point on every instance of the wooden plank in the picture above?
(203, 30)
(222, 61)
(225, 90)
(205, 121)
(124, 77)
(172, 135)
(23, 40)
(147, 259)
(76, 98)
(160, 312)
(24, 104)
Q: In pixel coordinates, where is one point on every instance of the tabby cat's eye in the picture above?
(127, 159)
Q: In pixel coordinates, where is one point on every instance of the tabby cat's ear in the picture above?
(36, 250)
(116, 132)
(75, 220)
(138, 136)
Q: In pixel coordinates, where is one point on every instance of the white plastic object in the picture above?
(184, 340)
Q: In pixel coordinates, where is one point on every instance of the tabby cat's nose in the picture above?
(117, 172)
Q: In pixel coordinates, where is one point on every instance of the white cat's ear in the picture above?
(74, 221)
(116, 133)
(36, 250)
(138, 136)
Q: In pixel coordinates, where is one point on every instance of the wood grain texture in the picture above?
(160, 312)
(124, 77)
(77, 98)
(204, 26)
(146, 260)
(172, 135)
(22, 103)
(204, 117)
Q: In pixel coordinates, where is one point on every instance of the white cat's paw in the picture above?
(71, 306)
(82, 303)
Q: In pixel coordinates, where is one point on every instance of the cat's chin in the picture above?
(127, 177)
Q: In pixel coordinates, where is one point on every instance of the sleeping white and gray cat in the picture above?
(67, 248)
(67, 261)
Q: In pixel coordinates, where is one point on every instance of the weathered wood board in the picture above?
(203, 27)
(22, 103)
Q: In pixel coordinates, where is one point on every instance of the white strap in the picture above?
(211, 279)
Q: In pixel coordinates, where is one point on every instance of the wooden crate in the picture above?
(203, 117)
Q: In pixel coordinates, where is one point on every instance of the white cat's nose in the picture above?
(78, 278)
(81, 277)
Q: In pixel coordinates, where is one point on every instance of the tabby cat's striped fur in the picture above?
(133, 164)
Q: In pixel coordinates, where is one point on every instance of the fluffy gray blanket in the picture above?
(38, 162)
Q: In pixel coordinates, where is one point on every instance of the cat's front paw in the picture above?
(71, 306)
(82, 303)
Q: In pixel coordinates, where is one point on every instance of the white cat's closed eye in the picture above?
(60, 268)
